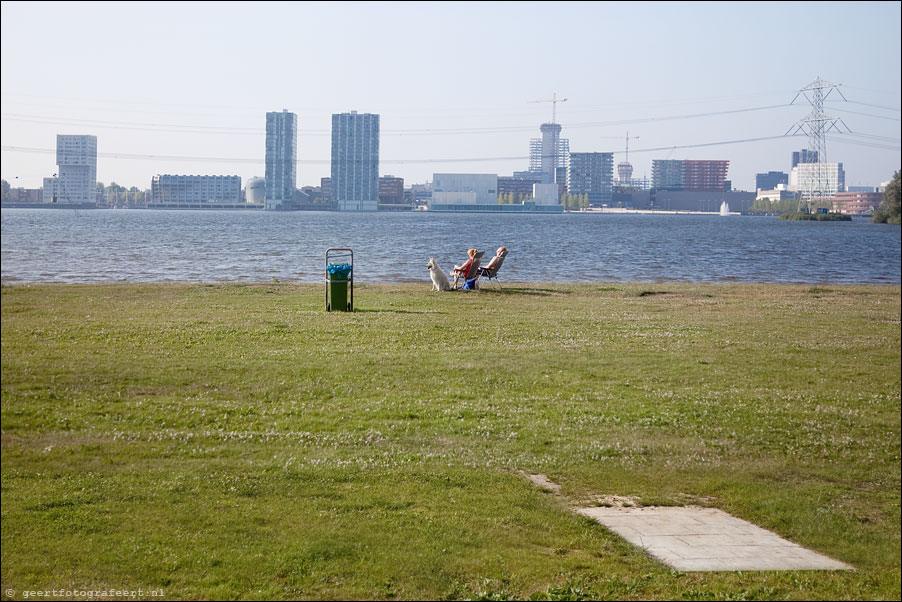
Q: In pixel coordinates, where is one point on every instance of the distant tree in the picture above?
(114, 192)
(584, 201)
(5, 185)
(889, 211)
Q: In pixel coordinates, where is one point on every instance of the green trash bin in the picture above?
(339, 280)
(338, 288)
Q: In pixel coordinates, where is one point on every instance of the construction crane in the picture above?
(628, 138)
(554, 100)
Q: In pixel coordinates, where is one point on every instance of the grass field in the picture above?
(232, 441)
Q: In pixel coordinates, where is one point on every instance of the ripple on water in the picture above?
(109, 246)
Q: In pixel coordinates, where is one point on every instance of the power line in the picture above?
(200, 129)
(23, 149)
(869, 115)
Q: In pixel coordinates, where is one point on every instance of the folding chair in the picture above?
(492, 272)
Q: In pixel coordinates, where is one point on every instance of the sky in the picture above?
(183, 88)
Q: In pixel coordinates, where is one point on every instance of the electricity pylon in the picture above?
(816, 125)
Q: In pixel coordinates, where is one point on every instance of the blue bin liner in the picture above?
(338, 271)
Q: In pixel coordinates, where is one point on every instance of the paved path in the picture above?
(691, 538)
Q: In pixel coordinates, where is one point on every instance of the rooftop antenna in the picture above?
(554, 100)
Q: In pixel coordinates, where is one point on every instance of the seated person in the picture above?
(494, 261)
(461, 270)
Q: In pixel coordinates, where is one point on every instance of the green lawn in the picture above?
(235, 441)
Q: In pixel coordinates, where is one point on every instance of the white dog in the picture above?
(440, 282)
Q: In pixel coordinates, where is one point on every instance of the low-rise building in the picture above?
(464, 189)
(778, 193)
(520, 187)
(856, 203)
(391, 190)
(169, 189)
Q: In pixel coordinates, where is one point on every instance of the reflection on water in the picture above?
(192, 246)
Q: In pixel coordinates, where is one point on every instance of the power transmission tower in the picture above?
(816, 126)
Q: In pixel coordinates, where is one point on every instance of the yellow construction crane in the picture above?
(554, 100)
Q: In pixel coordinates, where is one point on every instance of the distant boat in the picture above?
(724, 208)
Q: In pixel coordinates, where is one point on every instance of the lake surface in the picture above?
(47, 245)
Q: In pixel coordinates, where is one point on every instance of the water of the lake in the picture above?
(41, 245)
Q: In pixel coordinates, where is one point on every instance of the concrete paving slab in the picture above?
(690, 538)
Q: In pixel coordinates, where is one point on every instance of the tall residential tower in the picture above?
(592, 174)
(355, 161)
(76, 182)
(281, 158)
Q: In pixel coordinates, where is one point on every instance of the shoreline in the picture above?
(408, 286)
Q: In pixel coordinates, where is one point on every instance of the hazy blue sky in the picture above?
(451, 81)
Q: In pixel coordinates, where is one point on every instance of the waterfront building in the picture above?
(691, 175)
(667, 174)
(419, 192)
(355, 161)
(50, 191)
(770, 180)
(479, 193)
(779, 193)
(76, 178)
(281, 158)
(255, 191)
(856, 202)
(391, 190)
(174, 190)
(705, 175)
(592, 174)
(815, 180)
(464, 189)
(520, 187)
(31, 196)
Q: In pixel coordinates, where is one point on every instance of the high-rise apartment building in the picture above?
(705, 175)
(281, 158)
(693, 175)
(667, 174)
(804, 156)
(592, 174)
(355, 161)
(817, 180)
(76, 180)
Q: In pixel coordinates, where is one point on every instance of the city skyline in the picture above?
(701, 91)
